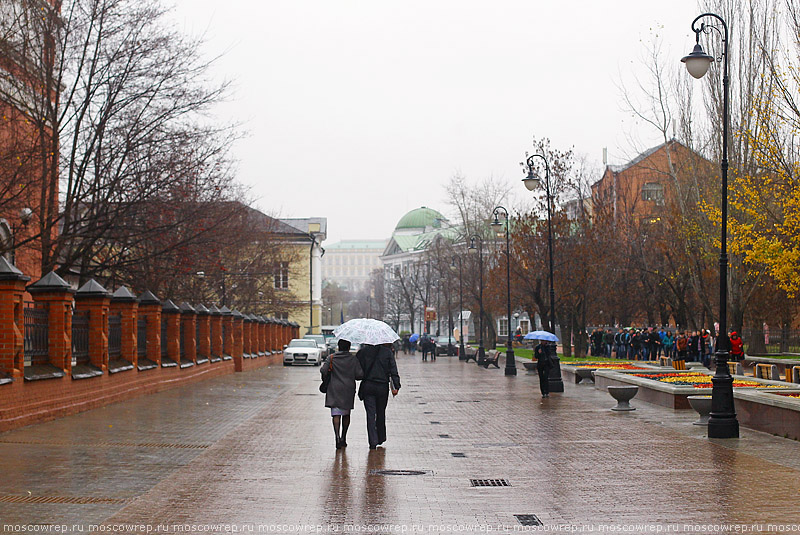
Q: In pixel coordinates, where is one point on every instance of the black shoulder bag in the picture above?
(326, 377)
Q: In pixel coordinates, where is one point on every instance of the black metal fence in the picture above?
(225, 349)
(164, 346)
(141, 337)
(775, 341)
(36, 340)
(114, 336)
(182, 341)
(80, 338)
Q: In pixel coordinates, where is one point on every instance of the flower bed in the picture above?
(611, 366)
(795, 395)
(699, 380)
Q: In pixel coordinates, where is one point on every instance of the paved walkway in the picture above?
(255, 451)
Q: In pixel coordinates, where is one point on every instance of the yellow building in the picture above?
(302, 276)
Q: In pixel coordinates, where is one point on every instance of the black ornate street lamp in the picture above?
(25, 216)
(722, 422)
(511, 361)
(462, 355)
(479, 250)
(531, 182)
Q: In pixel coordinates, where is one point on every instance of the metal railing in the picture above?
(225, 349)
(141, 337)
(164, 351)
(36, 339)
(181, 340)
(776, 341)
(80, 338)
(114, 336)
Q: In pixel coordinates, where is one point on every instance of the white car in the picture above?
(302, 351)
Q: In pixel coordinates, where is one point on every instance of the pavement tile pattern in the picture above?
(256, 450)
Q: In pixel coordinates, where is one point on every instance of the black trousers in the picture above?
(544, 378)
(376, 397)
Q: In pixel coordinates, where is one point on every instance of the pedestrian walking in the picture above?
(737, 347)
(380, 371)
(681, 346)
(344, 370)
(543, 365)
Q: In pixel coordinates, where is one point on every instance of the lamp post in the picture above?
(479, 250)
(511, 361)
(461, 353)
(722, 422)
(531, 181)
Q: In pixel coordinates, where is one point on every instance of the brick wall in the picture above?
(25, 401)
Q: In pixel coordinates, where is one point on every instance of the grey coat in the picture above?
(342, 388)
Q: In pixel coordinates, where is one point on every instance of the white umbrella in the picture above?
(366, 331)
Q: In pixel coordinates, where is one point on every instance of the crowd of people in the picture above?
(652, 343)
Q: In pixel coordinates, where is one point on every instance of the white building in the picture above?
(349, 263)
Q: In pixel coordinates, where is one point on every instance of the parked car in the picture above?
(446, 345)
(320, 340)
(333, 346)
(302, 351)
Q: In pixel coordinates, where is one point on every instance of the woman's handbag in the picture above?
(326, 377)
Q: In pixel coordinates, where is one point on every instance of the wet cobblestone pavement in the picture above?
(255, 451)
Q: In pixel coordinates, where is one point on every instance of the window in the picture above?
(282, 316)
(653, 191)
(502, 327)
(282, 276)
(524, 326)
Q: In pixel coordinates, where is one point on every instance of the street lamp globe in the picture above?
(531, 181)
(697, 62)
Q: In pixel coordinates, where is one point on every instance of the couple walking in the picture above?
(376, 367)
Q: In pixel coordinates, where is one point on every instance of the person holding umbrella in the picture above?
(344, 371)
(377, 360)
(542, 354)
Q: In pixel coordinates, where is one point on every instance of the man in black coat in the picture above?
(380, 369)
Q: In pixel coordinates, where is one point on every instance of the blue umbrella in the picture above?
(541, 335)
(413, 338)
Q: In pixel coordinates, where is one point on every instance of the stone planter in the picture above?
(702, 404)
(623, 395)
(586, 375)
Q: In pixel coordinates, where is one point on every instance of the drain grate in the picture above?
(436, 423)
(78, 500)
(444, 436)
(468, 401)
(110, 444)
(399, 472)
(458, 454)
(529, 520)
(428, 412)
(489, 483)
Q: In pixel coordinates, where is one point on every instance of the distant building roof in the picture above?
(420, 218)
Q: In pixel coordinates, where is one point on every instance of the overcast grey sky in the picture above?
(359, 111)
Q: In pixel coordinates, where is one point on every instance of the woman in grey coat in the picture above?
(345, 370)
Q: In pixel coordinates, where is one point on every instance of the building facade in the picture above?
(350, 263)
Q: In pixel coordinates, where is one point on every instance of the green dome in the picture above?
(420, 218)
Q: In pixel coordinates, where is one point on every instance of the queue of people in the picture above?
(651, 343)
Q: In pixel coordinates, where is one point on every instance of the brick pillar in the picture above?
(227, 338)
(238, 340)
(123, 302)
(172, 314)
(96, 300)
(189, 323)
(56, 293)
(12, 320)
(215, 329)
(203, 334)
(150, 310)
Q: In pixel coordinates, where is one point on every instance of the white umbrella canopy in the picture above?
(541, 335)
(366, 331)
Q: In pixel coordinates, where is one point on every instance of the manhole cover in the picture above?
(458, 454)
(489, 483)
(399, 472)
(529, 520)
